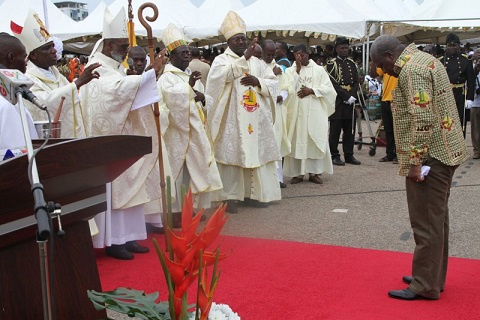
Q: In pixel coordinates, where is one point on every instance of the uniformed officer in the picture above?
(344, 76)
(462, 78)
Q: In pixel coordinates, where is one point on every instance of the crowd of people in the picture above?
(235, 122)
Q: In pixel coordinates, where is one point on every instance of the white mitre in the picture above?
(232, 24)
(173, 37)
(114, 27)
(33, 34)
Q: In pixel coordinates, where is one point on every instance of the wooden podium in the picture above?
(73, 174)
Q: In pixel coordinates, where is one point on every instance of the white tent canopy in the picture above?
(59, 23)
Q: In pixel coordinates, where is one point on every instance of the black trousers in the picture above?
(387, 120)
(463, 113)
(336, 126)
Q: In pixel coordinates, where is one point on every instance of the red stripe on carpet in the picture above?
(271, 279)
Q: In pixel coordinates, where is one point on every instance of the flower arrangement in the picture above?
(185, 260)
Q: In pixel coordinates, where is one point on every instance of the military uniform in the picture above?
(344, 76)
(460, 71)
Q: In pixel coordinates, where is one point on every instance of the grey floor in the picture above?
(362, 206)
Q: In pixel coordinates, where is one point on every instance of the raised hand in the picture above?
(88, 75)
(250, 49)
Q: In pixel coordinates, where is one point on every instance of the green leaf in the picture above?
(132, 302)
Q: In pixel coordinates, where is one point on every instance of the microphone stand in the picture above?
(41, 214)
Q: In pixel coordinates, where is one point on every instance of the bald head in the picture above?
(257, 52)
(12, 53)
(384, 53)
(269, 48)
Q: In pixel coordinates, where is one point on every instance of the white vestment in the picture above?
(307, 121)
(49, 90)
(11, 129)
(240, 123)
(187, 143)
(111, 105)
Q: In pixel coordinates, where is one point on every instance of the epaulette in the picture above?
(351, 60)
(467, 56)
(331, 61)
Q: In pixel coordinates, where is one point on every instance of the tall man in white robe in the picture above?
(188, 146)
(268, 52)
(309, 106)
(153, 212)
(241, 120)
(49, 84)
(12, 56)
(120, 104)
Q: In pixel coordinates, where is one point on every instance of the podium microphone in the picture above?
(14, 81)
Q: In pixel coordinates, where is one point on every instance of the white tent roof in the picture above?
(59, 23)
(179, 12)
(448, 14)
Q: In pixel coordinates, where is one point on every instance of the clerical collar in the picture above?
(48, 73)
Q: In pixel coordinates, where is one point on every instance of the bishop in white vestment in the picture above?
(49, 85)
(240, 121)
(120, 104)
(310, 103)
(188, 146)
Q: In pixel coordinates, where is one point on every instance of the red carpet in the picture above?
(270, 280)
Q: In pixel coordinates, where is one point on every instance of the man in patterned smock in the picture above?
(427, 132)
(344, 76)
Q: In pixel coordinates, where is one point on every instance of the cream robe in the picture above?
(281, 114)
(187, 143)
(50, 92)
(307, 120)
(106, 105)
(240, 123)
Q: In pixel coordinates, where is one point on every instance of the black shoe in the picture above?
(134, 247)
(352, 160)
(283, 185)
(385, 159)
(153, 229)
(255, 203)
(119, 252)
(407, 279)
(407, 294)
(338, 162)
(232, 206)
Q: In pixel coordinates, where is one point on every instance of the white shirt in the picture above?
(11, 130)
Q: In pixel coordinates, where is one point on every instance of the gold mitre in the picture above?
(33, 34)
(115, 27)
(232, 24)
(173, 37)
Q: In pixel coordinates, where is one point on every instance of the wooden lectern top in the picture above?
(68, 171)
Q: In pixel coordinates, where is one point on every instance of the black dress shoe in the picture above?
(283, 185)
(352, 160)
(232, 206)
(338, 162)
(255, 203)
(406, 294)
(152, 229)
(119, 252)
(134, 247)
(407, 279)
